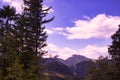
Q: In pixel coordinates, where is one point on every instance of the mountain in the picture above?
(81, 68)
(73, 60)
(55, 65)
(69, 69)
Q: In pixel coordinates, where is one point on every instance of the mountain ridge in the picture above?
(59, 66)
(74, 59)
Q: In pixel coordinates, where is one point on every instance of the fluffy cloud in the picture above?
(49, 31)
(94, 51)
(101, 26)
(57, 30)
(61, 52)
(90, 51)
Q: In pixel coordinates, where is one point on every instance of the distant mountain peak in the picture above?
(74, 59)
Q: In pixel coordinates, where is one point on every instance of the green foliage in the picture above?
(22, 39)
(34, 16)
(7, 40)
(100, 70)
(114, 51)
(15, 71)
(32, 37)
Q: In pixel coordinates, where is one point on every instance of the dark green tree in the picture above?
(22, 39)
(7, 40)
(34, 19)
(7, 15)
(114, 51)
(32, 35)
(100, 69)
(15, 71)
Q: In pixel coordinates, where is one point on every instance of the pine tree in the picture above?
(114, 51)
(34, 15)
(100, 69)
(6, 18)
(32, 35)
(7, 41)
(22, 39)
(15, 71)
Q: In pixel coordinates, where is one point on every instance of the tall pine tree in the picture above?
(100, 69)
(114, 51)
(32, 35)
(22, 39)
(7, 40)
(35, 18)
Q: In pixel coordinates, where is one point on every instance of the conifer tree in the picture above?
(32, 35)
(15, 71)
(22, 39)
(100, 69)
(34, 19)
(34, 32)
(114, 51)
(7, 41)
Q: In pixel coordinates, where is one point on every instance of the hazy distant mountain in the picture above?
(55, 65)
(81, 68)
(73, 60)
(73, 67)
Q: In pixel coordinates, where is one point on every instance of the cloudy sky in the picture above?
(82, 27)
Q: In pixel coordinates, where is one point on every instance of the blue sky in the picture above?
(80, 27)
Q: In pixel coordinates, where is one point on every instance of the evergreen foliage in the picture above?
(114, 51)
(7, 40)
(34, 16)
(100, 69)
(33, 36)
(22, 39)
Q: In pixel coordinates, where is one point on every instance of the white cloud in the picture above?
(94, 51)
(49, 31)
(101, 26)
(61, 52)
(86, 17)
(90, 51)
(58, 29)
(15, 3)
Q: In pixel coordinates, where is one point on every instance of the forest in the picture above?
(22, 41)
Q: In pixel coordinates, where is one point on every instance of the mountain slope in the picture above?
(73, 67)
(55, 65)
(72, 61)
(81, 68)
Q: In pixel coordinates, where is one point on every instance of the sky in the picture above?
(82, 27)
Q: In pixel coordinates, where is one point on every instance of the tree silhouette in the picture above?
(100, 69)
(35, 18)
(22, 39)
(114, 51)
(8, 43)
(33, 32)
